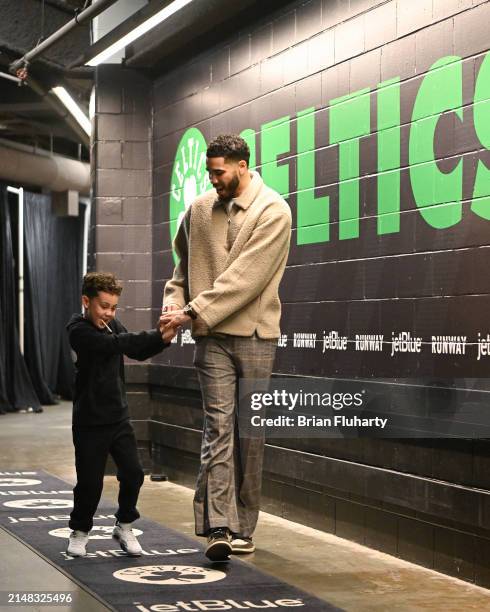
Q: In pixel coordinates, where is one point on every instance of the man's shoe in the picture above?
(219, 544)
(241, 545)
(77, 545)
(123, 533)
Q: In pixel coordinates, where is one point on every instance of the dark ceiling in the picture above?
(25, 116)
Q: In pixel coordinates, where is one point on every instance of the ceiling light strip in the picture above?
(73, 108)
(143, 28)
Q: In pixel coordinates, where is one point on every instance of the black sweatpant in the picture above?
(92, 447)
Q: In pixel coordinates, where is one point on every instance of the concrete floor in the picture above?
(348, 575)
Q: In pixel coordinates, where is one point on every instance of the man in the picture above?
(233, 243)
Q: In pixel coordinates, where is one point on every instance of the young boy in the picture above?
(100, 411)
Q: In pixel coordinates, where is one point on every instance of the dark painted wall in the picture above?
(372, 283)
(425, 500)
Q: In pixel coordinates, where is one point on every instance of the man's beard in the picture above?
(230, 189)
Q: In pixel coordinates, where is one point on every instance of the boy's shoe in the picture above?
(240, 545)
(123, 533)
(219, 544)
(77, 545)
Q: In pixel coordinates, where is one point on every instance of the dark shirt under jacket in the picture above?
(100, 396)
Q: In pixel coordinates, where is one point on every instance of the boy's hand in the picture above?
(163, 325)
(169, 334)
(166, 310)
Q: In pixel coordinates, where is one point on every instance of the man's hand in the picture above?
(165, 310)
(172, 320)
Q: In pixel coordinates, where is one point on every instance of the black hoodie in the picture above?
(100, 396)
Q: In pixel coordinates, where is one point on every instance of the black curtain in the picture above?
(53, 270)
(16, 389)
(70, 256)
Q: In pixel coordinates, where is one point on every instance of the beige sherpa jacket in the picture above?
(230, 267)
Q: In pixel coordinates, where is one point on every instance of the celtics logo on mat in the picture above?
(189, 177)
(169, 574)
(18, 482)
(98, 532)
(39, 504)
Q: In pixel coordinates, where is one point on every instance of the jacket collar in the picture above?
(246, 199)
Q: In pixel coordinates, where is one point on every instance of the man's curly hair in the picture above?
(229, 146)
(93, 282)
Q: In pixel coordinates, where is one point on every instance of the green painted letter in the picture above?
(389, 157)
(481, 113)
(275, 140)
(440, 91)
(312, 213)
(349, 120)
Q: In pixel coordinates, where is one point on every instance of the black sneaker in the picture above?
(219, 544)
(240, 545)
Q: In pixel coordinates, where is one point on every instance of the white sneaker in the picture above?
(123, 533)
(77, 544)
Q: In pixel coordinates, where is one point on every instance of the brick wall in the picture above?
(261, 80)
(121, 156)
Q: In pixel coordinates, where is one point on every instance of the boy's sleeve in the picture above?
(140, 345)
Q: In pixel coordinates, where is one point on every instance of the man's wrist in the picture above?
(189, 311)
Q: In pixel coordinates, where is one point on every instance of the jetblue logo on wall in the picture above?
(41, 504)
(18, 482)
(169, 574)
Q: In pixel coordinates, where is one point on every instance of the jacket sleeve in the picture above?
(140, 345)
(143, 345)
(177, 288)
(262, 255)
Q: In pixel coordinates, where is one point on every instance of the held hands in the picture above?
(171, 319)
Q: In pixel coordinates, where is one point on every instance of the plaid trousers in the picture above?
(230, 475)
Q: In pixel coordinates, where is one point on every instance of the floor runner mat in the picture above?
(172, 575)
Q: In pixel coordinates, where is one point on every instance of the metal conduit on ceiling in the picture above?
(52, 172)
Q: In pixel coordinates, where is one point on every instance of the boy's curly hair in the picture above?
(93, 282)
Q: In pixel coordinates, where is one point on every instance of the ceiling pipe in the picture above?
(20, 146)
(10, 77)
(89, 13)
(52, 172)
